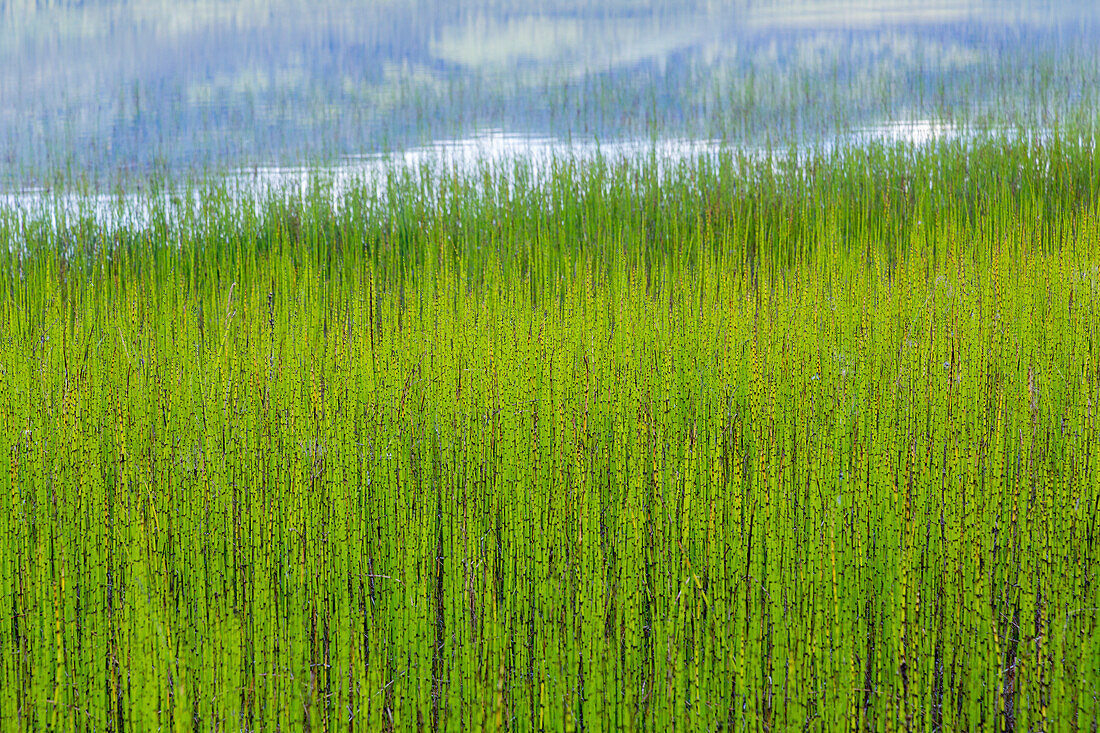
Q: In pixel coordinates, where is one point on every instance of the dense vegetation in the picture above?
(744, 444)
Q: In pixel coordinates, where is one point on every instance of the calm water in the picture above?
(116, 90)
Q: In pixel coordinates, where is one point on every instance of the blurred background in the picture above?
(110, 90)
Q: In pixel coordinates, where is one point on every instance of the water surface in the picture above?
(123, 89)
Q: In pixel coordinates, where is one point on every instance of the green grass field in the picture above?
(794, 443)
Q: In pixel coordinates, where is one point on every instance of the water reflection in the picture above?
(122, 88)
(494, 152)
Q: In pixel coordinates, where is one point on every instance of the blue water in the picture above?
(119, 90)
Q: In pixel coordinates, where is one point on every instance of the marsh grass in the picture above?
(741, 444)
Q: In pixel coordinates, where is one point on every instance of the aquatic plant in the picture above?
(739, 444)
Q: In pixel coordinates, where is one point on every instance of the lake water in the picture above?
(116, 91)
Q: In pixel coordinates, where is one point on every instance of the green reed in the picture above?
(742, 444)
